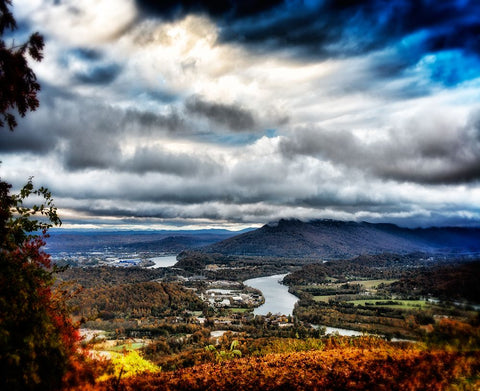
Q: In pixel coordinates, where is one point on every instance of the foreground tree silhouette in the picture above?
(18, 83)
(37, 337)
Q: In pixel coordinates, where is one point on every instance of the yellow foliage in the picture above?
(130, 364)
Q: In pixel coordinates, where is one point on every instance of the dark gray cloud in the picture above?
(160, 95)
(85, 152)
(134, 212)
(147, 159)
(170, 208)
(88, 134)
(100, 74)
(137, 215)
(234, 117)
(89, 66)
(86, 54)
(338, 146)
(149, 190)
(27, 140)
(334, 26)
(418, 153)
(38, 132)
(230, 9)
(173, 121)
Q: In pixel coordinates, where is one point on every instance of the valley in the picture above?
(181, 311)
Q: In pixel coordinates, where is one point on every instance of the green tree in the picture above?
(224, 355)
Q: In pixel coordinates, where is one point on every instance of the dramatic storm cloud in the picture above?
(237, 113)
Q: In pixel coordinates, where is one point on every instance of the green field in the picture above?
(399, 304)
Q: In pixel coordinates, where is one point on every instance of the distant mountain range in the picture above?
(113, 241)
(330, 239)
(326, 239)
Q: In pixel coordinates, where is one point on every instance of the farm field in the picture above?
(398, 304)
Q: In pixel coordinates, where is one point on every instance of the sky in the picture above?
(233, 114)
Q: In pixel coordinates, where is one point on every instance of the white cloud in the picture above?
(88, 22)
(132, 151)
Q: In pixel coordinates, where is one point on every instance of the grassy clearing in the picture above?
(240, 310)
(323, 299)
(331, 279)
(368, 284)
(127, 347)
(373, 284)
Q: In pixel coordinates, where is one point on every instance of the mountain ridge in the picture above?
(335, 239)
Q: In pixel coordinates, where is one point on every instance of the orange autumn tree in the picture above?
(37, 337)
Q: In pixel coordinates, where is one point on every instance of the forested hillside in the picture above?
(330, 239)
(141, 299)
(104, 276)
(448, 282)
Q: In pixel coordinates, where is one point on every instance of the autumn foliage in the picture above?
(38, 340)
(341, 365)
(133, 300)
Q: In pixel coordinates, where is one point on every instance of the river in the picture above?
(163, 261)
(336, 330)
(278, 300)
